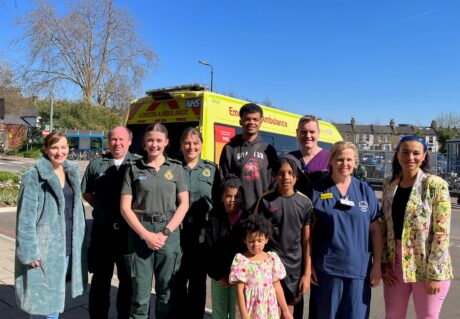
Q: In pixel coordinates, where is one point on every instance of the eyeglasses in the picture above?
(414, 138)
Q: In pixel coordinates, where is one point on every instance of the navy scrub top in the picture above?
(341, 244)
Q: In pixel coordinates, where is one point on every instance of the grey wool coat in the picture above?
(40, 234)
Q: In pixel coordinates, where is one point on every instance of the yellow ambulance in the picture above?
(217, 117)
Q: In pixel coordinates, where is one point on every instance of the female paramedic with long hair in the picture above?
(151, 187)
(200, 177)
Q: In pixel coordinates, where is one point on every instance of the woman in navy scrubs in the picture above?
(347, 239)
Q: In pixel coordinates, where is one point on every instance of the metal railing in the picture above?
(378, 165)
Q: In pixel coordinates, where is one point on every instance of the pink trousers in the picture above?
(397, 296)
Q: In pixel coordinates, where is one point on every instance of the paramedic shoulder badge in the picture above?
(169, 175)
(206, 172)
(364, 206)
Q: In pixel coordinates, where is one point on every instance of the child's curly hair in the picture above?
(230, 181)
(256, 223)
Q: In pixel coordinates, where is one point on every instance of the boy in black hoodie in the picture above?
(249, 157)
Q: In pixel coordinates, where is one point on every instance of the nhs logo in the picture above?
(193, 103)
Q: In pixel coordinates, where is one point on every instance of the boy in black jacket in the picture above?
(223, 241)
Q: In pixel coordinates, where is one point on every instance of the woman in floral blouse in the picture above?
(416, 227)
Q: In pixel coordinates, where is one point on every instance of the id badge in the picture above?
(347, 202)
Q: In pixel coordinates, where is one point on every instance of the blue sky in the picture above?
(372, 60)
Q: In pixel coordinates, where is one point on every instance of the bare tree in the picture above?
(93, 45)
(448, 120)
(15, 102)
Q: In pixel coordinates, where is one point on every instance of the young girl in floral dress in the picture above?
(257, 274)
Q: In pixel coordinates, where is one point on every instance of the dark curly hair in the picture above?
(230, 181)
(286, 159)
(256, 223)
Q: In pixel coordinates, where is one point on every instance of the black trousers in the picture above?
(191, 281)
(298, 309)
(107, 248)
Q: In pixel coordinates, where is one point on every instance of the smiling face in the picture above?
(250, 122)
(410, 156)
(255, 242)
(119, 142)
(57, 152)
(285, 179)
(191, 147)
(308, 134)
(343, 163)
(231, 198)
(155, 143)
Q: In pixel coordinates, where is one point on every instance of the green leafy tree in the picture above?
(78, 115)
(444, 134)
(448, 125)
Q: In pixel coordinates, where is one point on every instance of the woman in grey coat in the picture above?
(50, 234)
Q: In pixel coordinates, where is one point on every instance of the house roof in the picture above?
(12, 119)
(405, 129)
(382, 129)
(344, 128)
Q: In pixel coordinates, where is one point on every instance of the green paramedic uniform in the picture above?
(109, 235)
(191, 278)
(154, 202)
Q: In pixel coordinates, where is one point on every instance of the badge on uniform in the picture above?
(206, 172)
(169, 175)
(346, 202)
(326, 196)
(364, 206)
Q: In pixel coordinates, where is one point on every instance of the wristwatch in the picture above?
(166, 231)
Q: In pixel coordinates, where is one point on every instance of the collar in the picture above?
(200, 164)
(238, 139)
(418, 181)
(128, 157)
(257, 140)
(143, 162)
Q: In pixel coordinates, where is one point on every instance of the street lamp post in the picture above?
(212, 70)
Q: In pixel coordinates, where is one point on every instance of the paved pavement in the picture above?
(75, 308)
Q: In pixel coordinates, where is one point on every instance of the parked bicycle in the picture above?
(83, 155)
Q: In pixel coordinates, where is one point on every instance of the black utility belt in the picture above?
(154, 219)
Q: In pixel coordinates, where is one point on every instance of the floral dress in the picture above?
(258, 278)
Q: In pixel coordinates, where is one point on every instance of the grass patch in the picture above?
(9, 196)
(9, 188)
(10, 176)
(33, 151)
